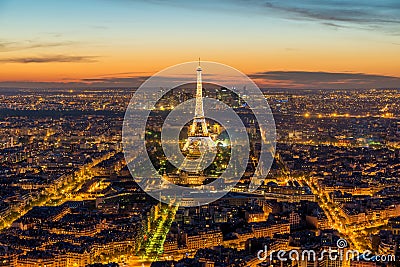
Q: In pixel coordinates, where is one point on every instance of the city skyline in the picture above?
(296, 44)
(68, 198)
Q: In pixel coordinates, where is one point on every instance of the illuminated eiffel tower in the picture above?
(199, 140)
(198, 136)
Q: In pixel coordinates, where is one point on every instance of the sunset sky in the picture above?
(285, 44)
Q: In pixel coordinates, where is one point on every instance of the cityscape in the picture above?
(68, 199)
(203, 133)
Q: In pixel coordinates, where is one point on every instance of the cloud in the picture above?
(110, 82)
(8, 46)
(372, 15)
(334, 25)
(122, 74)
(128, 81)
(50, 59)
(381, 15)
(268, 79)
(4, 46)
(324, 80)
(340, 11)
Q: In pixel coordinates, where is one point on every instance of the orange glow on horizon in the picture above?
(149, 62)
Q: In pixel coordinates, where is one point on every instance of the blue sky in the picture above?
(72, 41)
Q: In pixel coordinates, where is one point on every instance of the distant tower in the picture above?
(198, 134)
(199, 123)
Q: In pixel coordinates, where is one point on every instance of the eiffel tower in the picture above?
(199, 139)
(198, 134)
